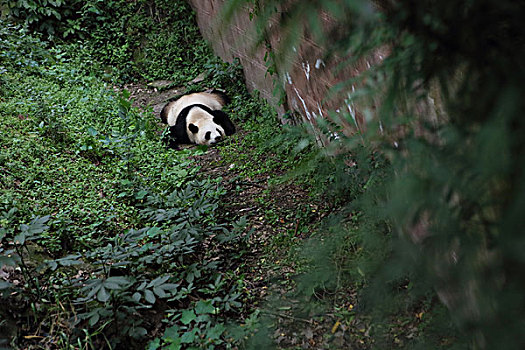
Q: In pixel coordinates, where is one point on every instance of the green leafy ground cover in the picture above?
(106, 236)
(109, 240)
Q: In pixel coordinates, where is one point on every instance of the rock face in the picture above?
(306, 81)
(228, 46)
(309, 78)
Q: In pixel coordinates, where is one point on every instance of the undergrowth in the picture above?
(128, 40)
(421, 249)
(107, 238)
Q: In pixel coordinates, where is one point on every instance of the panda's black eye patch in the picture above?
(193, 128)
(208, 135)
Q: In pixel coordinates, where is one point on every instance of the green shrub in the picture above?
(441, 216)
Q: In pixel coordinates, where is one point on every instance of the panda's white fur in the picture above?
(211, 100)
(198, 118)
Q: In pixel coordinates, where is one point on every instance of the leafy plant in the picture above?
(438, 211)
(100, 224)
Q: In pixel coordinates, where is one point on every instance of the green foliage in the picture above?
(266, 151)
(100, 225)
(128, 39)
(225, 75)
(40, 14)
(18, 49)
(441, 215)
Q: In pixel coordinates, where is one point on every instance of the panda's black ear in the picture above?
(193, 128)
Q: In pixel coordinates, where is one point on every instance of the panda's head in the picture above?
(202, 129)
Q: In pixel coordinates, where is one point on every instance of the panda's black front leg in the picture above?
(169, 138)
(172, 144)
(222, 119)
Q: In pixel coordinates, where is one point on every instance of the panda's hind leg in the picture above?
(224, 99)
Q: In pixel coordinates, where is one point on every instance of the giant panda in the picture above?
(197, 118)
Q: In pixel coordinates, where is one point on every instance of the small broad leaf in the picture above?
(112, 285)
(37, 225)
(136, 296)
(171, 333)
(204, 307)
(118, 279)
(9, 258)
(94, 319)
(52, 264)
(117, 282)
(187, 317)
(148, 295)
(216, 331)
(152, 232)
(92, 131)
(159, 292)
(188, 337)
(20, 238)
(172, 287)
(103, 295)
(175, 345)
(142, 286)
(154, 344)
(93, 286)
(203, 318)
(141, 194)
(138, 332)
(158, 281)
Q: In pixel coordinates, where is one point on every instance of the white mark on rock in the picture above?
(306, 70)
(289, 78)
(318, 63)
(308, 115)
(320, 110)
